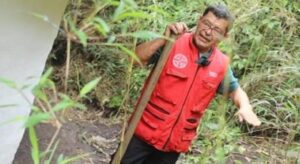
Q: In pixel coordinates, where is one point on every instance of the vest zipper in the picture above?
(181, 109)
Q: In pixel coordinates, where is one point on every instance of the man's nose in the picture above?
(208, 31)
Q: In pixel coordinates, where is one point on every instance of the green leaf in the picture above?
(220, 154)
(80, 34)
(158, 10)
(48, 161)
(103, 24)
(130, 53)
(65, 104)
(69, 160)
(236, 161)
(18, 118)
(82, 37)
(119, 10)
(111, 39)
(26, 86)
(8, 105)
(116, 101)
(213, 126)
(38, 93)
(113, 3)
(133, 14)
(35, 109)
(38, 15)
(131, 3)
(34, 145)
(100, 29)
(45, 76)
(8, 83)
(88, 87)
(80, 106)
(60, 159)
(37, 118)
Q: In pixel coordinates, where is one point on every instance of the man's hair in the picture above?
(221, 12)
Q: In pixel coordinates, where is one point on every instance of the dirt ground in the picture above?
(97, 137)
(87, 132)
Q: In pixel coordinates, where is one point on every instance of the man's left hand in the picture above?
(246, 113)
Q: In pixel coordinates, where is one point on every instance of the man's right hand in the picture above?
(177, 28)
(145, 50)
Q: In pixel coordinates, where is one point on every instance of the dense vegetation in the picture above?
(264, 46)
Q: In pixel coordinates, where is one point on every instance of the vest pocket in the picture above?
(183, 134)
(161, 104)
(198, 110)
(176, 73)
(209, 85)
(190, 128)
(148, 128)
(189, 133)
(170, 87)
(164, 98)
(191, 124)
(156, 111)
(149, 122)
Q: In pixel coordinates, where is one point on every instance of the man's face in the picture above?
(210, 31)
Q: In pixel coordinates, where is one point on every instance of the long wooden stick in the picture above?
(143, 102)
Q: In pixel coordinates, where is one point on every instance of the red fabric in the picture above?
(183, 92)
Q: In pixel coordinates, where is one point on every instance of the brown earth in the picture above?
(88, 133)
(96, 137)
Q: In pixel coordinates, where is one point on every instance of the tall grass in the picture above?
(263, 47)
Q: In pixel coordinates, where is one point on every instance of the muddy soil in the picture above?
(97, 137)
(89, 133)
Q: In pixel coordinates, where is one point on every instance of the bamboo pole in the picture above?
(143, 102)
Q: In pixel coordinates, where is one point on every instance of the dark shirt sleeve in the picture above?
(229, 83)
(154, 58)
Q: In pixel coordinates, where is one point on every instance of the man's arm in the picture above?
(145, 50)
(245, 111)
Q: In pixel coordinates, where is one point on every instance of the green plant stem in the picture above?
(91, 14)
(48, 161)
(35, 145)
(67, 64)
(77, 9)
(58, 125)
(41, 105)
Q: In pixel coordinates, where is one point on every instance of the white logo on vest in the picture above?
(180, 61)
(212, 74)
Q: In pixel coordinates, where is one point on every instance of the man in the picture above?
(194, 72)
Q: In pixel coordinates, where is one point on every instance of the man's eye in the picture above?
(206, 25)
(218, 30)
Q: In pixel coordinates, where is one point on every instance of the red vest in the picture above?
(183, 92)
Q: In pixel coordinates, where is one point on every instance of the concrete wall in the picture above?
(25, 42)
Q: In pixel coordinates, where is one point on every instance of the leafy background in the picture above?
(97, 40)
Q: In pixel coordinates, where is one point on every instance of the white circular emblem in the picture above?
(180, 61)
